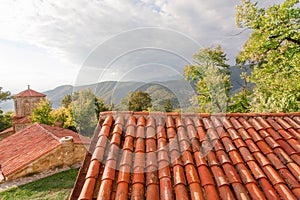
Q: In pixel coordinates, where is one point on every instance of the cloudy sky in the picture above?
(47, 43)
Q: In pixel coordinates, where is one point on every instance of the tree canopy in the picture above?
(79, 112)
(211, 75)
(137, 101)
(4, 95)
(86, 107)
(42, 113)
(100, 106)
(5, 118)
(66, 101)
(168, 106)
(273, 54)
(273, 51)
(65, 116)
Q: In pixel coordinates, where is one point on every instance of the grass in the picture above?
(57, 186)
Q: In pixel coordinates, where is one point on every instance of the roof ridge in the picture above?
(47, 131)
(174, 114)
(30, 93)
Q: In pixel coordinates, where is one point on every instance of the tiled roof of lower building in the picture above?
(31, 143)
(192, 156)
(8, 130)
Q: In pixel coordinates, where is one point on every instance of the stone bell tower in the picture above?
(24, 104)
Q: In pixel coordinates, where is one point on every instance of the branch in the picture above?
(242, 31)
(288, 38)
(293, 40)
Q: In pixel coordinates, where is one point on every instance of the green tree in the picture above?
(273, 51)
(4, 95)
(84, 112)
(168, 106)
(100, 106)
(5, 118)
(80, 111)
(211, 76)
(66, 101)
(65, 116)
(137, 101)
(77, 115)
(240, 100)
(42, 113)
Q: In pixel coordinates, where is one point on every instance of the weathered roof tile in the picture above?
(26, 146)
(180, 156)
(29, 93)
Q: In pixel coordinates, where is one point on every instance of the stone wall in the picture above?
(18, 127)
(69, 154)
(25, 105)
(6, 134)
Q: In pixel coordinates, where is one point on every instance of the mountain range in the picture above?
(179, 91)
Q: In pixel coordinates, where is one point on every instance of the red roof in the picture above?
(25, 146)
(192, 156)
(8, 130)
(62, 132)
(30, 93)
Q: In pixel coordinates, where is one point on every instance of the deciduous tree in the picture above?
(100, 106)
(66, 101)
(65, 116)
(168, 106)
(137, 101)
(77, 115)
(273, 51)
(5, 118)
(84, 112)
(211, 75)
(42, 113)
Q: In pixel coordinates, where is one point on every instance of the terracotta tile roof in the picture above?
(8, 130)
(31, 143)
(29, 93)
(61, 132)
(192, 156)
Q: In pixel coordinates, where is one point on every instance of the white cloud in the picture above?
(71, 30)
